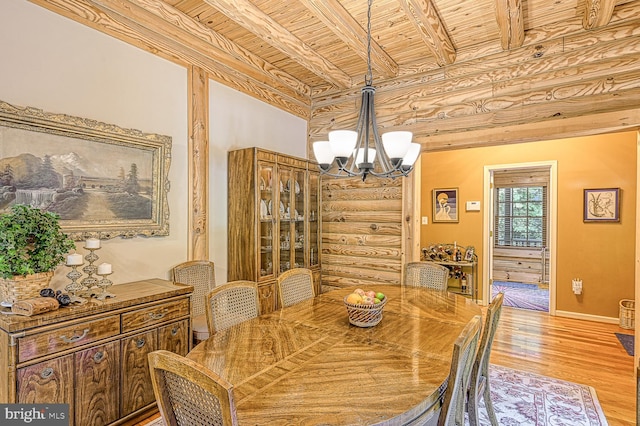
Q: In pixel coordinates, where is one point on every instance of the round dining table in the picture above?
(307, 365)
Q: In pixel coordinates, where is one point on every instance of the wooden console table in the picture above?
(94, 356)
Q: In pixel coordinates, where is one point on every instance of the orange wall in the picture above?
(601, 254)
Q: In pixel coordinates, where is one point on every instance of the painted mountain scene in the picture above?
(81, 180)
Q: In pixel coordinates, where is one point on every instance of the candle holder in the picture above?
(75, 287)
(90, 281)
(104, 283)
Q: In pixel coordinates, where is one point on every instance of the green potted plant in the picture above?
(32, 245)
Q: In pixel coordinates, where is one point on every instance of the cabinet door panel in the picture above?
(135, 377)
(47, 382)
(267, 298)
(97, 392)
(174, 337)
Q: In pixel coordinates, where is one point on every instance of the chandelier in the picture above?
(354, 153)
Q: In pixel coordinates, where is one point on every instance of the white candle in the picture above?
(93, 243)
(104, 268)
(74, 259)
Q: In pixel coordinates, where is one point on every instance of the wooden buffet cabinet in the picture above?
(94, 356)
(274, 219)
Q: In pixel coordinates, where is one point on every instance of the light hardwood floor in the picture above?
(578, 351)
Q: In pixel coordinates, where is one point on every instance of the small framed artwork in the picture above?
(602, 205)
(468, 255)
(445, 205)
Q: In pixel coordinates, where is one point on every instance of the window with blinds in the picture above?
(520, 209)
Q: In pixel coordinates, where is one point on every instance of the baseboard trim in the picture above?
(587, 317)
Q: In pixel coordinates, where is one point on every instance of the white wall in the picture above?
(55, 64)
(52, 63)
(240, 121)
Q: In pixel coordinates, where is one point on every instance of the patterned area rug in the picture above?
(627, 341)
(524, 296)
(523, 399)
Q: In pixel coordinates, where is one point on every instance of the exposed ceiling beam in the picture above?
(245, 14)
(597, 13)
(425, 18)
(341, 23)
(511, 23)
(194, 34)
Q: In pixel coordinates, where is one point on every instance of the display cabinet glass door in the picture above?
(297, 218)
(266, 214)
(284, 221)
(314, 229)
(291, 218)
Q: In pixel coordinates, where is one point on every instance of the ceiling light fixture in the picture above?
(353, 151)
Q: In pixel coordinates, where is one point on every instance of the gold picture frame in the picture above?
(103, 180)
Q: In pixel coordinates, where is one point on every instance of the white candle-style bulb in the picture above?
(92, 243)
(74, 259)
(104, 269)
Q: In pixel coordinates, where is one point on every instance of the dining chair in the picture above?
(295, 285)
(231, 304)
(464, 351)
(201, 275)
(479, 382)
(426, 274)
(189, 394)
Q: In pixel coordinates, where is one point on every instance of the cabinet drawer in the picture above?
(154, 315)
(34, 346)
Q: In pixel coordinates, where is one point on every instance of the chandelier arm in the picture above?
(385, 164)
(353, 169)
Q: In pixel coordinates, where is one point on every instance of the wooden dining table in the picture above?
(307, 365)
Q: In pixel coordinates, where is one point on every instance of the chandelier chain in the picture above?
(369, 78)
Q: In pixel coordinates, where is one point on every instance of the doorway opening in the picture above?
(520, 235)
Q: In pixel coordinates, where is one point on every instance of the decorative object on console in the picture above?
(91, 244)
(34, 306)
(104, 270)
(352, 150)
(74, 287)
(32, 246)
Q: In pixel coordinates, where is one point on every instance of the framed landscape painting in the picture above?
(104, 181)
(602, 205)
(445, 205)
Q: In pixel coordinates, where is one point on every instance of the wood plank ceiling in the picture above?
(441, 67)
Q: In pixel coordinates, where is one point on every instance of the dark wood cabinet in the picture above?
(94, 356)
(96, 384)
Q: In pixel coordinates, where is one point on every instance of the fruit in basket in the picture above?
(354, 298)
(362, 297)
(366, 300)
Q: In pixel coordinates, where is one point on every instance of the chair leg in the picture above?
(488, 404)
(472, 408)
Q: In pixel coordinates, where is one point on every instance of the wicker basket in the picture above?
(365, 315)
(627, 313)
(22, 288)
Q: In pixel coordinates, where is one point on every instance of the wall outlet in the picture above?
(425, 220)
(576, 286)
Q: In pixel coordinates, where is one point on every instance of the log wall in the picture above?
(361, 232)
